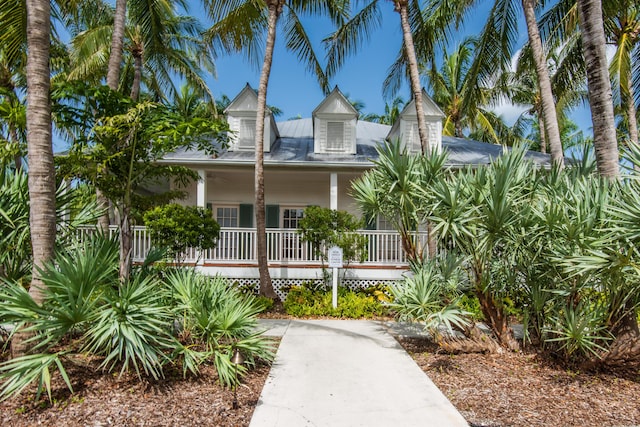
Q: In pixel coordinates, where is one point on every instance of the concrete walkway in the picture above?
(347, 373)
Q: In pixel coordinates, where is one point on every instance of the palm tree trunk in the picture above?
(632, 113)
(117, 43)
(550, 119)
(137, 75)
(401, 6)
(125, 243)
(266, 287)
(113, 77)
(42, 179)
(599, 86)
(543, 135)
(42, 186)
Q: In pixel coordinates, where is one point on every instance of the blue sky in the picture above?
(295, 91)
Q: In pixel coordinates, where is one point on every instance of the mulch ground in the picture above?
(491, 390)
(529, 389)
(109, 400)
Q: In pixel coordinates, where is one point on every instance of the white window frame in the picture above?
(227, 206)
(283, 209)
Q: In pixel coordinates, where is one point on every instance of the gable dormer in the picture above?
(334, 125)
(406, 126)
(241, 116)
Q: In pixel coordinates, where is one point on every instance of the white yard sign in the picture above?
(335, 257)
(335, 262)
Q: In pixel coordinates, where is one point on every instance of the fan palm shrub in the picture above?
(220, 318)
(430, 296)
(15, 237)
(129, 325)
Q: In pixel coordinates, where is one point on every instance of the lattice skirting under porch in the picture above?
(281, 286)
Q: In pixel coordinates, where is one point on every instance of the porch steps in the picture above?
(348, 373)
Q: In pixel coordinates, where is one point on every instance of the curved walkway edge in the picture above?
(331, 373)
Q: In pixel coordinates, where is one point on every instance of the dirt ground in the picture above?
(492, 390)
(528, 389)
(109, 400)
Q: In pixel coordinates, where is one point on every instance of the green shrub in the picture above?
(181, 227)
(303, 302)
(469, 303)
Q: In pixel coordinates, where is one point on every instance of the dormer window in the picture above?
(334, 125)
(335, 136)
(247, 137)
(241, 116)
(405, 128)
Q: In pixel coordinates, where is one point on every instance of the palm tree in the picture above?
(241, 27)
(494, 50)
(42, 189)
(158, 46)
(391, 113)
(464, 106)
(346, 41)
(622, 26)
(522, 89)
(564, 24)
(599, 86)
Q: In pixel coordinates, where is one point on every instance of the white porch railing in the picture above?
(238, 245)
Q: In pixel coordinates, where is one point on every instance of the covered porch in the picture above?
(291, 261)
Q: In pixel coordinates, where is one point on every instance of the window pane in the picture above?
(291, 217)
(227, 216)
(247, 133)
(335, 136)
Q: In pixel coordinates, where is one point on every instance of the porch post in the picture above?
(333, 194)
(201, 200)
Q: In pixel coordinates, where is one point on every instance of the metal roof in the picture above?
(294, 147)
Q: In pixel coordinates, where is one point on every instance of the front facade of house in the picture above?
(307, 162)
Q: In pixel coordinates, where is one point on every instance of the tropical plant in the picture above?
(159, 45)
(118, 152)
(397, 189)
(391, 113)
(86, 309)
(430, 297)
(15, 240)
(220, 317)
(451, 91)
(305, 301)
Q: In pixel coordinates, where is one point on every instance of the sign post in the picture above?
(335, 262)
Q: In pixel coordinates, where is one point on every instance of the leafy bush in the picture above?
(181, 227)
(324, 227)
(302, 301)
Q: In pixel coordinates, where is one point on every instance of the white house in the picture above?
(307, 162)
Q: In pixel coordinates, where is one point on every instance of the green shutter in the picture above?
(245, 214)
(272, 213)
